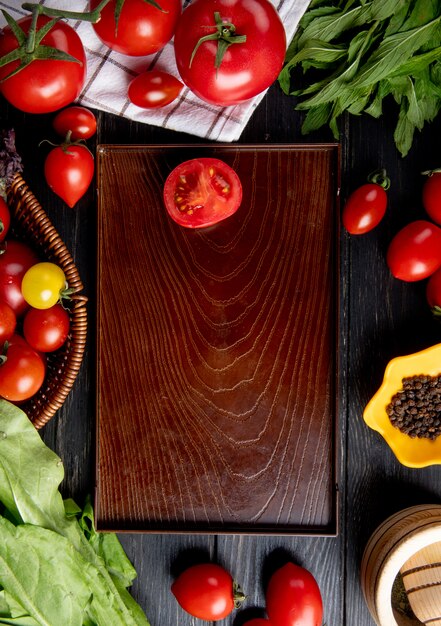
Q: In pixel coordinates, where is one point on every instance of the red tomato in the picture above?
(415, 251)
(15, 260)
(22, 372)
(46, 330)
(43, 86)
(143, 29)
(154, 89)
(293, 598)
(364, 209)
(432, 196)
(202, 192)
(8, 322)
(206, 591)
(69, 170)
(246, 68)
(79, 121)
(5, 219)
(433, 289)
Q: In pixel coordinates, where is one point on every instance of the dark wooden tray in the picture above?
(217, 349)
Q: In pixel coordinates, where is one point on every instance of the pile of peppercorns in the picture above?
(416, 408)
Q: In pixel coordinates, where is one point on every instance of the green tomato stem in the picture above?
(91, 16)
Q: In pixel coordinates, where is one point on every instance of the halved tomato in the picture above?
(201, 192)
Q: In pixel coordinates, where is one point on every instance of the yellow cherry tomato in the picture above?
(43, 285)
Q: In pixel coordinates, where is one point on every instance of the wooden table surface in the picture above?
(380, 318)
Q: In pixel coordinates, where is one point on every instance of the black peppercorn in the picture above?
(416, 408)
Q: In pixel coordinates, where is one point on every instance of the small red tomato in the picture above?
(293, 598)
(8, 322)
(207, 591)
(155, 89)
(22, 372)
(202, 192)
(15, 259)
(433, 289)
(415, 251)
(46, 330)
(432, 195)
(77, 120)
(5, 219)
(366, 206)
(69, 170)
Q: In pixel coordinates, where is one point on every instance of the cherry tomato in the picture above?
(69, 170)
(43, 285)
(5, 219)
(143, 29)
(206, 591)
(155, 89)
(8, 322)
(293, 598)
(77, 120)
(202, 192)
(433, 289)
(22, 372)
(415, 251)
(46, 330)
(432, 196)
(43, 86)
(247, 67)
(366, 206)
(15, 259)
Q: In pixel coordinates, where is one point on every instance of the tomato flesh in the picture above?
(201, 192)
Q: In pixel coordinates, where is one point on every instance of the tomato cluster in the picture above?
(207, 591)
(32, 320)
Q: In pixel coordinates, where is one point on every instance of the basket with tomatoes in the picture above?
(43, 319)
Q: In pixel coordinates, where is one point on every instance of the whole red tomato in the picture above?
(8, 322)
(46, 330)
(366, 205)
(432, 195)
(43, 86)
(248, 66)
(15, 260)
(433, 289)
(206, 591)
(415, 251)
(142, 29)
(154, 89)
(293, 598)
(78, 121)
(69, 170)
(5, 219)
(22, 372)
(201, 192)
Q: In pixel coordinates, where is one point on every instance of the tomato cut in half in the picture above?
(201, 192)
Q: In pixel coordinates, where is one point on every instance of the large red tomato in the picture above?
(142, 29)
(248, 66)
(293, 598)
(415, 251)
(44, 86)
(201, 192)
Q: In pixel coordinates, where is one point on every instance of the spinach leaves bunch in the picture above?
(354, 53)
(54, 567)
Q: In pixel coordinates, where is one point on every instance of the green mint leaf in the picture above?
(316, 118)
(404, 131)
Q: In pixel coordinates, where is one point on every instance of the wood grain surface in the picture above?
(218, 411)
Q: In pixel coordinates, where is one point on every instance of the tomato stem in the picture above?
(380, 177)
(238, 595)
(91, 16)
(225, 35)
(431, 172)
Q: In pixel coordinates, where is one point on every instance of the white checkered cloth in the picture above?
(109, 73)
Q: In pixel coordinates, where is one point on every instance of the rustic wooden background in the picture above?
(380, 318)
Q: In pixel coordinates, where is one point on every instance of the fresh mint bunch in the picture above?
(354, 54)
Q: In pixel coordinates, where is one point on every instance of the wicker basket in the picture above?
(31, 225)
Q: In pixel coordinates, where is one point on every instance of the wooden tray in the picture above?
(217, 348)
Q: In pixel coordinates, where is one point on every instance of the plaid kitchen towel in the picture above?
(109, 73)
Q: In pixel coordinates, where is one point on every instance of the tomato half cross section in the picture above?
(201, 192)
